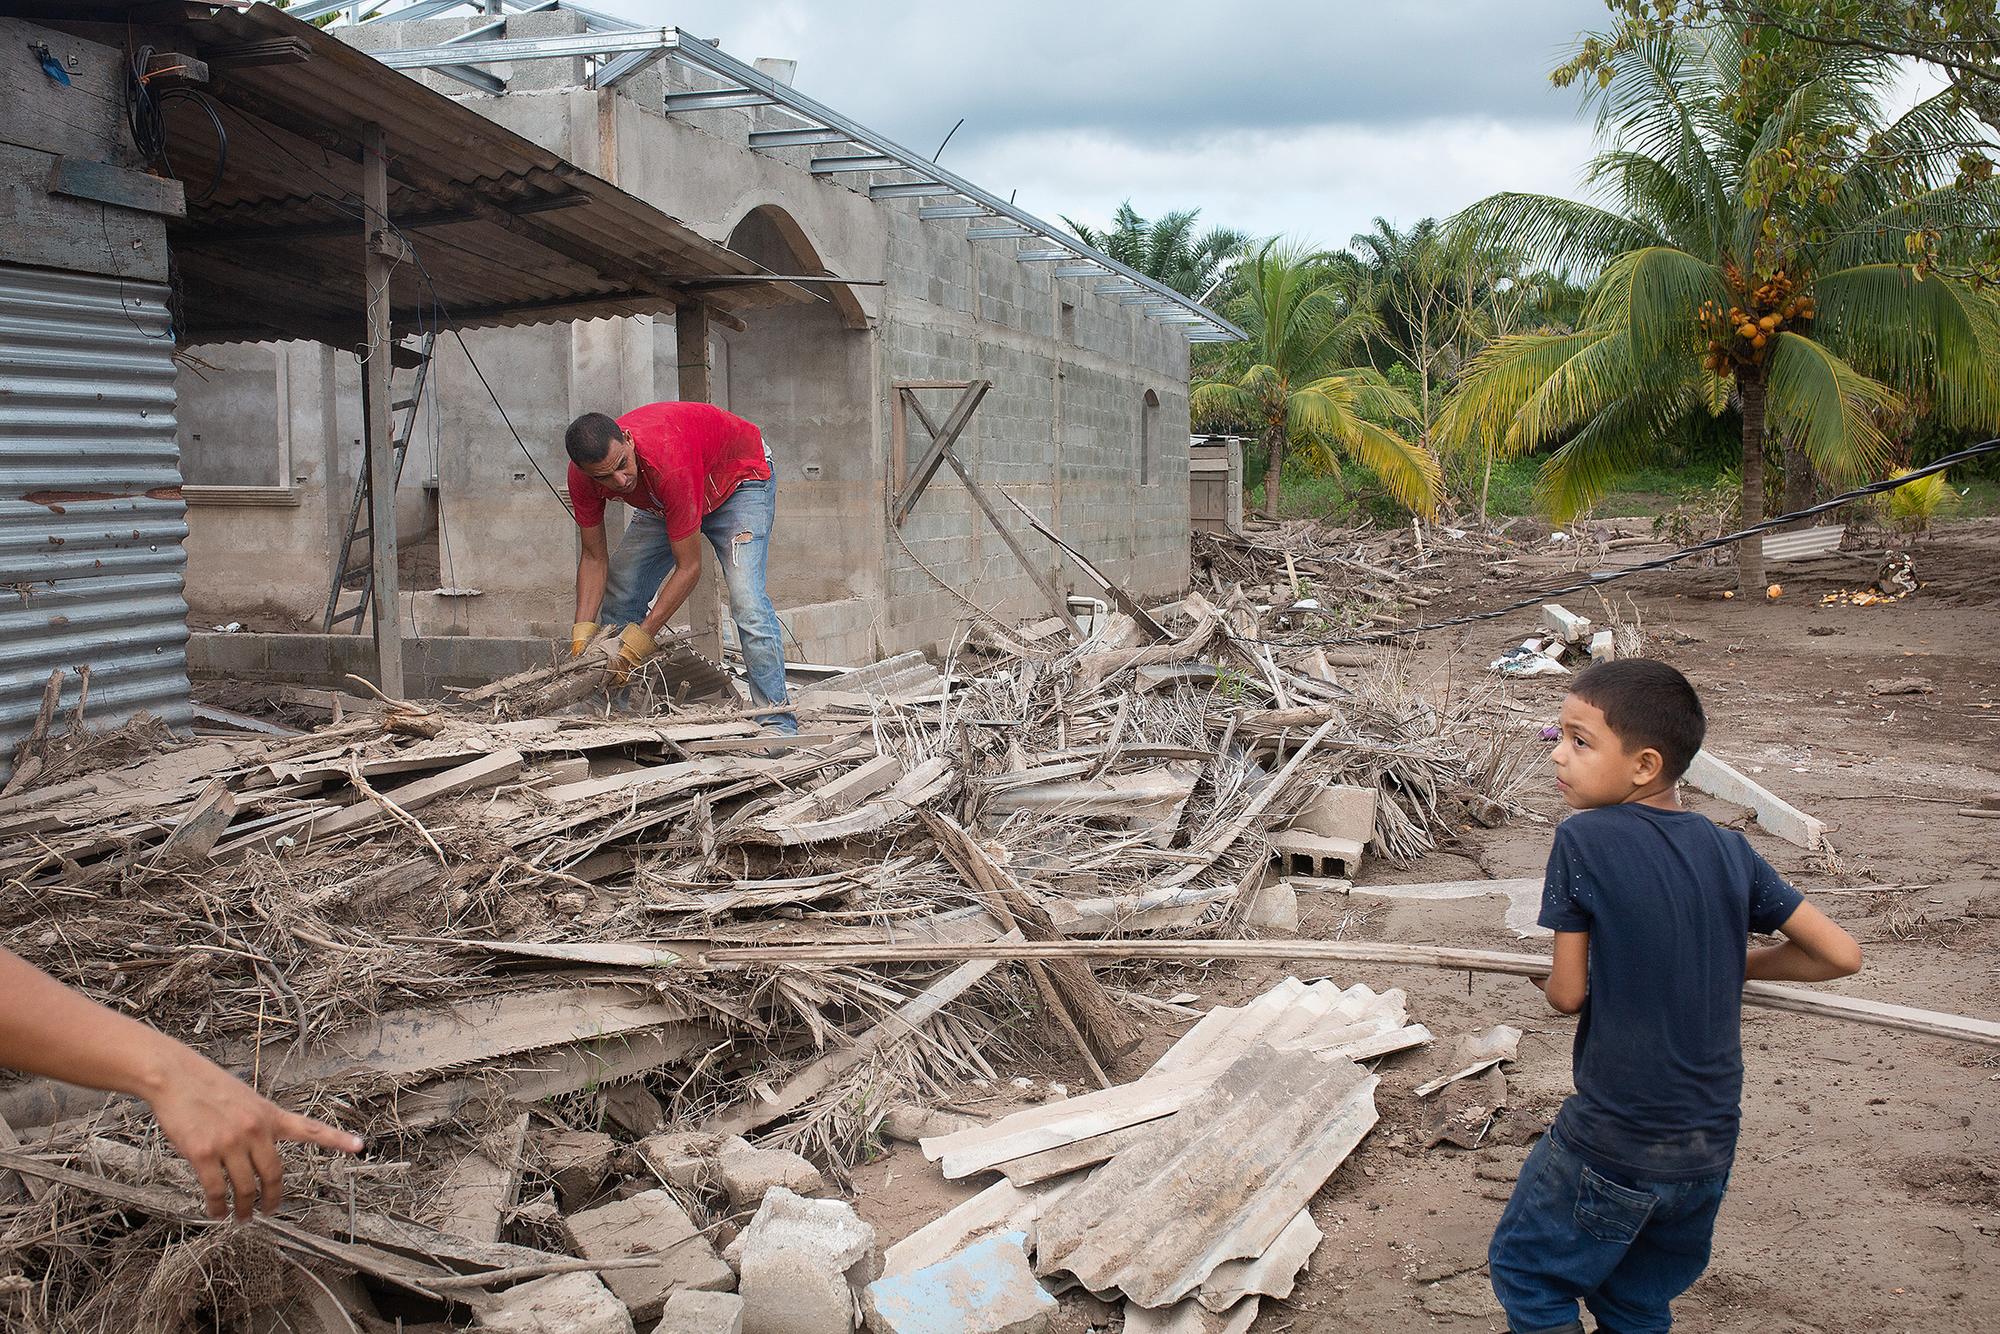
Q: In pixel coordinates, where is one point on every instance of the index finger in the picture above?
(296, 1129)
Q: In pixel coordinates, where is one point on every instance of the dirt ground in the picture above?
(1866, 1194)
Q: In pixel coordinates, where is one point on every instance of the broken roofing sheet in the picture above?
(1207, 1162)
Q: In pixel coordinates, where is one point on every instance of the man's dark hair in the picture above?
(1646, 703)
(590, 437)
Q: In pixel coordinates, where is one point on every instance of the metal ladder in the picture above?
(403, 423)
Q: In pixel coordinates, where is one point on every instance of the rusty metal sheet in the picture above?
(91, 516)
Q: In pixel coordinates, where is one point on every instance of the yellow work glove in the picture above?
(634, 647)
(580, 636)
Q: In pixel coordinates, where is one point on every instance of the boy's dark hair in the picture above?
(590, 437)
(1646, 703)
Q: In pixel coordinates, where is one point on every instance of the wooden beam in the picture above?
(102, 183)
(379, 438)
(409, 222)
(942, 438)
(941, 447)
(1766, 995)
(696, 367)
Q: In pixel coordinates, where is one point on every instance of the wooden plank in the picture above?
(241, 722)
(1777, 816)
(552, 1072)
(200, 828)
(102, 183)
(942, 439)
(412, 1042)
(819, 1076)
(1769, 995)
(486, 771)
(857, 785)
(378, 432)
(476, 1194)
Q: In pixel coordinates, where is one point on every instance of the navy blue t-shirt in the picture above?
(1669, 900)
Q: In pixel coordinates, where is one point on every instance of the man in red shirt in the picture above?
(689, 471)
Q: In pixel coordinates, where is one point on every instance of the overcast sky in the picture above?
(1283, 116)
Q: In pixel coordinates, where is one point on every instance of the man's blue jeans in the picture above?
(740, 532)
(1623, 1246)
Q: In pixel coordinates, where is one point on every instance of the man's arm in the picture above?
(1569, 981)
(1815, 949)
(675, 589)
(593, 568)
(223, 1127)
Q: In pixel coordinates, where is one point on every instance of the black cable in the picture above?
(146, 121)
(1659, 563)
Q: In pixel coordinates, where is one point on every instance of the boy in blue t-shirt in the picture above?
(1652, 907)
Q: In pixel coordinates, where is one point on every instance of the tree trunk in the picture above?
(1750, 551)
(1274, 467)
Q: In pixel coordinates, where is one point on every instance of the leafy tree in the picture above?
(1169, 249)
(1753, 264)
(1294, 381)
(1959, 39)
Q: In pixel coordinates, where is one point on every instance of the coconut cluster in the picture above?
(1739, 335)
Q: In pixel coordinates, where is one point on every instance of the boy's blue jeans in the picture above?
(740, 532)
(1623, 1246)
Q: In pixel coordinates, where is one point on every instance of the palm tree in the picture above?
(1168, 249)
(1292, 379)
(1751, 260)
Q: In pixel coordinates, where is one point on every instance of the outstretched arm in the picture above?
(1815, 949)
(223, 1127)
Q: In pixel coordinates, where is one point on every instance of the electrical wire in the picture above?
(145, 118)
(1659, 563)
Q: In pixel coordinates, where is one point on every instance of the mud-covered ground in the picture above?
(1866, 1194)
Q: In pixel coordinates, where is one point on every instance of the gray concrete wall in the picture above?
(1062, 429)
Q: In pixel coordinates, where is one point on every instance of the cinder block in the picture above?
(1342, 811)
(650, 1225)
(1312, 855)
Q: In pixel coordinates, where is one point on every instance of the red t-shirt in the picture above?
(690, 455)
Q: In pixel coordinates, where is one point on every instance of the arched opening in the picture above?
(802, 374)
(1149, 439)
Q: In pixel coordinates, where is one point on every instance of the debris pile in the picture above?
(398, 922)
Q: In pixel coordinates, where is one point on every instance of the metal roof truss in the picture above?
(894, 172)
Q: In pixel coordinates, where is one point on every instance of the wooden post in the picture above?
(693, 357)
(379, 446)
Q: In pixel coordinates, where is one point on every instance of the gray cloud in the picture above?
(1286, 116)
(1160, 69)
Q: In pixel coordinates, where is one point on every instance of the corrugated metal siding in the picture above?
(91, 517)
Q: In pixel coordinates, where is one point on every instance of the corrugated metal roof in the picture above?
(91, 517)
(1220, 1180)
(505, 232)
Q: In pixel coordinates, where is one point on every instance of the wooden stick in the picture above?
(1768, 995)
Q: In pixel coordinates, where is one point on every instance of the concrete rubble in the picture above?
(987, 1288)
(805, 1264)
(689, 1312)
(649, 1226)
(749, 1173)
(558, 1304)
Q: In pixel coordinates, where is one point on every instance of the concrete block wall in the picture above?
(1061, 430)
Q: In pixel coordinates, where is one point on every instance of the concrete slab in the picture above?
(987, 1288)
(702, 1313)
(559, 1304)
(649, 1225)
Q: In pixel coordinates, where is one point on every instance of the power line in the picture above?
(1659, 563)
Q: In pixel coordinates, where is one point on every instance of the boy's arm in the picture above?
(1815, 949)
(1569, 981)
